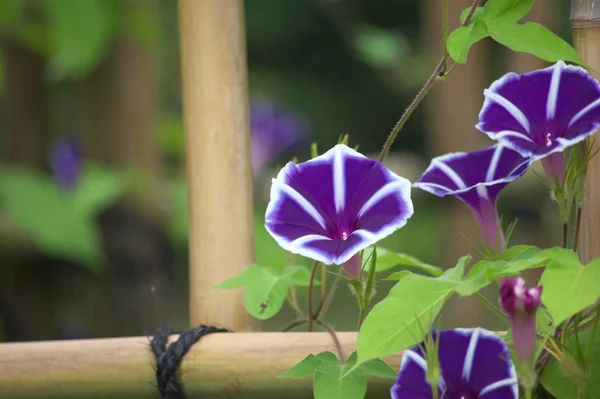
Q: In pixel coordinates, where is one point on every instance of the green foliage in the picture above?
(397, 322)
(387, 259)
(569, 287)
(79, 32)
(461, 39)
(334, 380)
(499, 19)
(60, 223)
(381, 48)
(267, 287)
(564, 379)
(534, 39)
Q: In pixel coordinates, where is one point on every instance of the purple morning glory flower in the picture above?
(66, 162)
(274, 130)
(521, 303)
(476, 178)
(541, 113)
(335, 205)
(474, 363)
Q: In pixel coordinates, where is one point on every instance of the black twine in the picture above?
(169, 358)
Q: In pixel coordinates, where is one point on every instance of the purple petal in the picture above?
(476, 178)
(469, 175)
(475, 363)
(66, 162)
(542, 112)
(335, 205)
(274, 130)
(411, 382)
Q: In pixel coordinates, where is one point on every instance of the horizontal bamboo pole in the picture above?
(224, 365)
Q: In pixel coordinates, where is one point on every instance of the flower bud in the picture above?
(521, 303)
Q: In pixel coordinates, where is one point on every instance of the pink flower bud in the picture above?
(353, 267)
(521, 303)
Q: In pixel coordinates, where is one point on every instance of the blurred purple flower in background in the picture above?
(476, 178)
(521, 303)
(66, 162)
(274, 131)
(474, 363)
(541, 113)
(335, 205)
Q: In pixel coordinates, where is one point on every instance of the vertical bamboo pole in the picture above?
(585, 23)
(218, 157)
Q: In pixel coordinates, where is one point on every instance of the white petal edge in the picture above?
(553, 90)
(470, 355)
(584, 111)
(430, 187)
(563, 145)
(299, 246)
(509, 107)
(513, 382)
(512, 371)
(415, 357)
(494, 163)
(447, 170)
(382, 193)
(339, 178)
(420, 361)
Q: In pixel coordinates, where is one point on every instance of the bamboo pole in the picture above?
(226, 365)
(218, 157)
(585, 23)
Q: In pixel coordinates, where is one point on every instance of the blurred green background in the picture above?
(93, 203)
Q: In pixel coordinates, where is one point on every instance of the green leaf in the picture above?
(336, 381)
(569, 287)
(378, 368)
(58, 222)
(461, 39)
(97, 189)
(305, 368)
(80, 32)
(475, 17)
(310, 364)
(403, 317)
(387, 259)
(534, 39)
(506, 10)
(518, 252)
(398, 275)
(267, 287)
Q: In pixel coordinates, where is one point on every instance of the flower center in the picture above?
(344, 236)
(548, 140)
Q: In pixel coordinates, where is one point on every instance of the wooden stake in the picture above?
(223, 365)
(218, 158)
(585, 23)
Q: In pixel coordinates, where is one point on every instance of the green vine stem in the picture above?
(311, 286)
(324, 306)
(437, 73)
(489, 305)
(292, 297)
(576, 228)
(336, 341)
